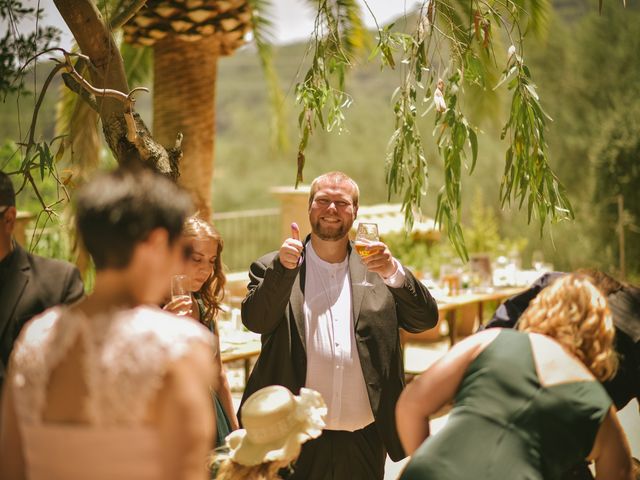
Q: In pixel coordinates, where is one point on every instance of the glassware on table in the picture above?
(180, 290)
(537, 260)
(366, 234)
(481, 272)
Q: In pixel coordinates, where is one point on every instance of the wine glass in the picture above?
(537, 260)
(180, 289)
(367, 233)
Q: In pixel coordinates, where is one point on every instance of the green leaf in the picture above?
(473, 140)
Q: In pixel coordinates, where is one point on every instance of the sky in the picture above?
(293, 18)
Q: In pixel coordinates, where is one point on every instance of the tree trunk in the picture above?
(185, 75)
(96, 41)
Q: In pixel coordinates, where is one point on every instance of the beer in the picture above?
(365, 250)
(367, 234)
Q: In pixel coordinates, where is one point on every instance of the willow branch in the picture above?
(36, 110)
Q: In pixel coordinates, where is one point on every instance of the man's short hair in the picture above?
(334, 178)
(118, 210)
(7, 193)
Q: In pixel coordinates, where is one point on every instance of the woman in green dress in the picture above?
(207, 279)
(526, 404)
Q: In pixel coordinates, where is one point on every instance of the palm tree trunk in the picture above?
(184, 101)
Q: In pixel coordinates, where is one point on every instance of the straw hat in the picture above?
(276, 424)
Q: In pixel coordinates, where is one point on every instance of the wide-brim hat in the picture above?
(276, 424)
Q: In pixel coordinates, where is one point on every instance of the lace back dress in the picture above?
(126, 356)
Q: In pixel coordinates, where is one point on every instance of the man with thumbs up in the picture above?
(323, 328)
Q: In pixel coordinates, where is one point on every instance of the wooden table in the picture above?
(244, 351)
(448, 308)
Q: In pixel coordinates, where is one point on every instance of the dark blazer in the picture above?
(273, 307)
(33, 284)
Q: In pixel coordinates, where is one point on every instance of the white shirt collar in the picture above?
(316, 260)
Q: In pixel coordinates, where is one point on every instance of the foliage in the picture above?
(466, 34)
(16, 47)
(337, 36)
(262, 28)
(483, 236)
(615, 155)
(527, 174)
(586, 68)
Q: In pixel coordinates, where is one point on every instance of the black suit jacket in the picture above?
(273, 307)
(33, 284)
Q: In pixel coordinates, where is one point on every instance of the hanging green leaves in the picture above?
(527, 177)
(337, 36)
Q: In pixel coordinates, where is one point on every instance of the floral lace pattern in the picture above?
(127, 355)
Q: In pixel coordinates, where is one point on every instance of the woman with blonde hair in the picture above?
(276, 424)
(204, 269)
(527, 404)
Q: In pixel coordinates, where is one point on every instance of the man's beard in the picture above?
(330, 234)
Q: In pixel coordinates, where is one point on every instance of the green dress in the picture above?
(223, 425)
(506, 425)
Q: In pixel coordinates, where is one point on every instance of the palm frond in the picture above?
(353, 36)
(138, 63)
(263, 35)
(352, 29)
(80, 123)
(536, 12)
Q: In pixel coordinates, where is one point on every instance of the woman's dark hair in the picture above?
(118, 210)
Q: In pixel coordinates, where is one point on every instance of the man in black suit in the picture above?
(324, 328)
(29, 284)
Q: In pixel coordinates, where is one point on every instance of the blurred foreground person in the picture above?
(107, 388)
(29, 284)
(206, 279)
(276, 423)
(527, 404)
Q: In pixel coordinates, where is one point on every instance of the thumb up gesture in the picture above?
(291, 249)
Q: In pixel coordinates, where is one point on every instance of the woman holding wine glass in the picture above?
(197, 292)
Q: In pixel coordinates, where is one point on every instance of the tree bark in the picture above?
(96, 41)
(185, 76)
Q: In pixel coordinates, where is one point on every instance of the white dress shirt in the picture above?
(333, 363)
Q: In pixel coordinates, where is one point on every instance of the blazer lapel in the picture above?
(16, 282)
(296, 301)
(357, 272)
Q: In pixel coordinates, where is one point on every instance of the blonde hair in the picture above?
(334, 178)
(226, 469)
(212, 290)
(575, 314)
